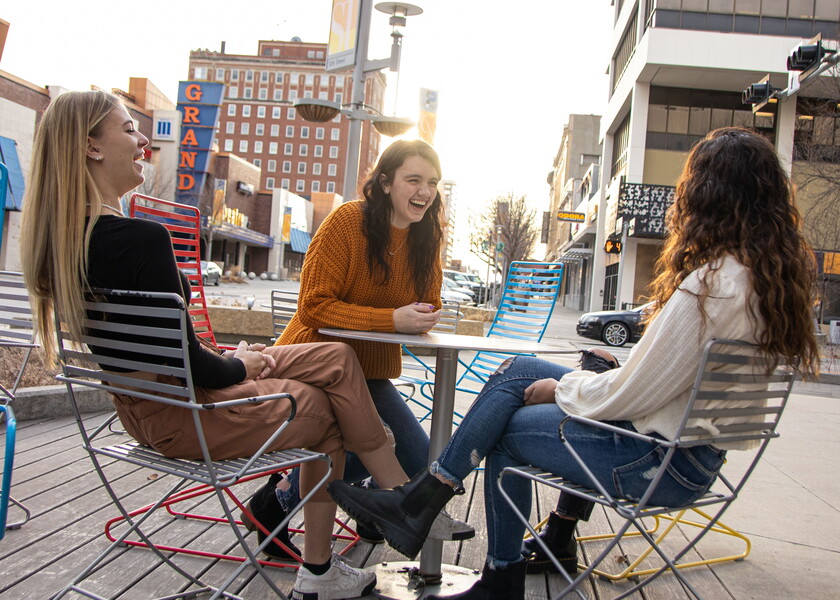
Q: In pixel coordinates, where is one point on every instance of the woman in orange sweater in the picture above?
(374, 265)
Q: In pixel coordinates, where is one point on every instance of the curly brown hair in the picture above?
(424, 238)
(733, 197)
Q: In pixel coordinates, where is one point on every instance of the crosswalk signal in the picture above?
(612, 247)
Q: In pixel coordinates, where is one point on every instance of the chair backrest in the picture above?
(119, 320)
(16, 326)
(737, 398)
(530, 292)
(283, 308)
(184, 224)
(450, 315)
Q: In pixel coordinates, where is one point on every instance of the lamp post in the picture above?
(356, 110)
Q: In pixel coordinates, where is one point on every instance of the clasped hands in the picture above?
(257, 364)
(415, 318)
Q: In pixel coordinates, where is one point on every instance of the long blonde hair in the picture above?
(61, 193)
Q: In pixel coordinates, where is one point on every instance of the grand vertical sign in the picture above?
(199, 103)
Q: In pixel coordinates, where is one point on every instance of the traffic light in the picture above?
(808, 56)
(612, 247)
(759, 94)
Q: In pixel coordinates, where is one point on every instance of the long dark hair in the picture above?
(424, 237)
(733, 197)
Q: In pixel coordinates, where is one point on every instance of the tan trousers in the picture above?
(335, 413)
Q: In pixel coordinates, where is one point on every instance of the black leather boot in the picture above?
(268, 511)
(559, 536)
(501, 583)
(404, 514)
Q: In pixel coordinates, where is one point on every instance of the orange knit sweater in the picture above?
(337, 290)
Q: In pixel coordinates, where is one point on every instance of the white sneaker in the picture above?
(446, 527)
(339, 582)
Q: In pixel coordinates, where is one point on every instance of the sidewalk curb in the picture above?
(51, 401)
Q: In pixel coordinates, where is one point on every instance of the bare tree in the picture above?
(817, 174)
(507, 223)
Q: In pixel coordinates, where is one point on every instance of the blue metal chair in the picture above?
(16, 332)
(527, 303)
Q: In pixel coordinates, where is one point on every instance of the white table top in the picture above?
(452, 340)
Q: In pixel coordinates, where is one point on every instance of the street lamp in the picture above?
(356, 111)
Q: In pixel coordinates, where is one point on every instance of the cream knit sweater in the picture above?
(652, 387)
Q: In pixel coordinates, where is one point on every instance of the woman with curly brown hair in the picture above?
(735, 265)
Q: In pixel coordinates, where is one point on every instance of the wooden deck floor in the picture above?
(54, 478)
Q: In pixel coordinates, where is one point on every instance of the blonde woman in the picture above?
(87, 155)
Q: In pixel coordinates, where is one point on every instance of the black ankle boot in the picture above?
(501, 583)
(559, 536)
(404, 514)
(268, 511)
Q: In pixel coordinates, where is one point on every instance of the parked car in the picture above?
(451, 295)
(614, 327)
(451, 285)
(467, 280)
(210, 273)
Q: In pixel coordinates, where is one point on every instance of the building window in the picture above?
(263, 93)
(272, 147)
(234, 74)
(258, 147)
(310, 79)
(621, 140)
(334, 133)
(287, 166)
(319, 151)
(275, 112)
(316, 186)
(272, 166)
(292, 95)
(300, 185)
(331, 169)
(246, 110)
(301, 168)
(200, 72)
(339, 97)
(625, 51)
(322, 95)
(243, 146)
(304, 150)
(269, 183)
(220, 74)
(275, 130)
(263, 76)
(284, 183)
(278, 94)
(261, 112)
(260, 129)
(232, 91)
(249, 93)
(319, 133)
(290, 113)
(244, 129)
(287, 149)
(278, 77)
(249, 75)
(230, 127)
(228, 145)
(333, 151)
(304, 132)
(231, 110)
(331, 187)
(257, 162)
(316, 169)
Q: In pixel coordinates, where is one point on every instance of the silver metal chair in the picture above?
(119, 320)
(16, 332)
(283, 308)
(738, 397)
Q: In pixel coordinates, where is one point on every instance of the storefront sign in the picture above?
(199, 103)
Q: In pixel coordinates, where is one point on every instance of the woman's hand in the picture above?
(257, 364)
(415, 318)
(540, 392)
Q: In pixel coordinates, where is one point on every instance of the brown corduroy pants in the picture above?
(335, 413)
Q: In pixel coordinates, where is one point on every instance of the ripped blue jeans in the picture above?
(500, 428)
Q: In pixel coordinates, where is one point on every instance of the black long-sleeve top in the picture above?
(136, 254)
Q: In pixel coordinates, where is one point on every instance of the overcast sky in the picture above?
(508, 73)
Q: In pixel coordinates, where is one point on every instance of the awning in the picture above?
(299, 240)
(243, 234)
(9, 157)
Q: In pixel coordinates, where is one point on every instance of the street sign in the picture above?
(574, 217)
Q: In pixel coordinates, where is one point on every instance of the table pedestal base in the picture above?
(402, 581)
